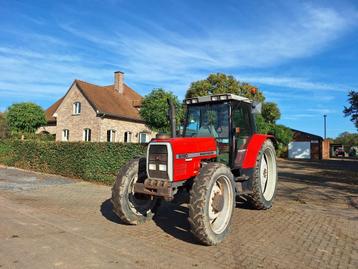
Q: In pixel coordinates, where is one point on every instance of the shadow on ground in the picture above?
(172, 217)
(332, 164)
(107, 212)
(333, 175)
(331, 185)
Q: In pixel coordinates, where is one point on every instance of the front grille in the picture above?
(158, 157)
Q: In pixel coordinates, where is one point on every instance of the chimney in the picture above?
(118, 81)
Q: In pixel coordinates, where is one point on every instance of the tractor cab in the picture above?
(228, 118)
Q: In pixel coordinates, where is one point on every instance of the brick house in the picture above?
(89, 112)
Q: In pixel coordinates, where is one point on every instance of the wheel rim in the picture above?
(220, 204)
(138, 204)
(268, 174)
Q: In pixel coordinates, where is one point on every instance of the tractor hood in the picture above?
(190, 145)
(185, 155)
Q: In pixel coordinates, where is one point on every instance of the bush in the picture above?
(32, 136)
(282, 134)
(88, 161)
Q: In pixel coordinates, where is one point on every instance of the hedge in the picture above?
(85, 160)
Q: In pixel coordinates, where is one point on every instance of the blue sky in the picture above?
(302, 55)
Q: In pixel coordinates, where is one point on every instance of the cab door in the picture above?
(243, 129)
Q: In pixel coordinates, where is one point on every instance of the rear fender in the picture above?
(253, 149)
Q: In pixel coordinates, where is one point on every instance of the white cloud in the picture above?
(298, 116)
(159, 57)
(293, 82)
(322, 110)
(308, 113)
(34, 55)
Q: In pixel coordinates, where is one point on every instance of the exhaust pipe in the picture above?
(171, 114)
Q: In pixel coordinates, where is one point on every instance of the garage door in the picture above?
(299, 150)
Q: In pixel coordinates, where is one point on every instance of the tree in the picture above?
(266, 122)
(25, 117)
(262, 126)
(347, 139)
(282, 134)
(155, 107)
(353, 109)
(3, 126)
(270, 112)
(222, 83)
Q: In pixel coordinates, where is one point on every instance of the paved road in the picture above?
(54, 222)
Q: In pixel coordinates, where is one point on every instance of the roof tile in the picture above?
(106, 100)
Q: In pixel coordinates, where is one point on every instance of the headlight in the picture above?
(152, 166)
(162, 167)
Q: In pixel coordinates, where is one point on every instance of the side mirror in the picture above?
(256, 108)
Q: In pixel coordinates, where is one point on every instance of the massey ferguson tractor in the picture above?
(218, 157)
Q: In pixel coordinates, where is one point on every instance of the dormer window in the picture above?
(76, 108)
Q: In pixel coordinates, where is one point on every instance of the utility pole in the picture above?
(325, 126)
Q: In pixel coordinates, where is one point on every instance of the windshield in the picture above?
(208, 120)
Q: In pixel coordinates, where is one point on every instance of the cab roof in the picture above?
(216, 97)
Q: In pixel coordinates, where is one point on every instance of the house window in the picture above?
(111, 136)
(76, 108)
(65, 135)
(87, 134)
(143, 138)
(127, 137)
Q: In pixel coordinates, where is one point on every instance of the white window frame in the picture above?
(127, 137)
(146, 140)
(76, 108)
(112, 136)
(87, 134)
(65, 135)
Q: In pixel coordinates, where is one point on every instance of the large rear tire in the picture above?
(130, 207)
(212, 200)
(265, 178)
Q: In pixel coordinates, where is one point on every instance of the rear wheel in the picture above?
(264, 178)
(212, 203)
(130, 207)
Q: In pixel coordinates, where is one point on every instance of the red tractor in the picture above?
(218, 156)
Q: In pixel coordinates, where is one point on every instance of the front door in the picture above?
(243, 129)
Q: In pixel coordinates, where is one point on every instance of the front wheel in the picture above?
(130, 207)
(211, 203)
(265, 178)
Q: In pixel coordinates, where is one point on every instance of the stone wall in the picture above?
(76, 123)
(121, 127)
(51, 129)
